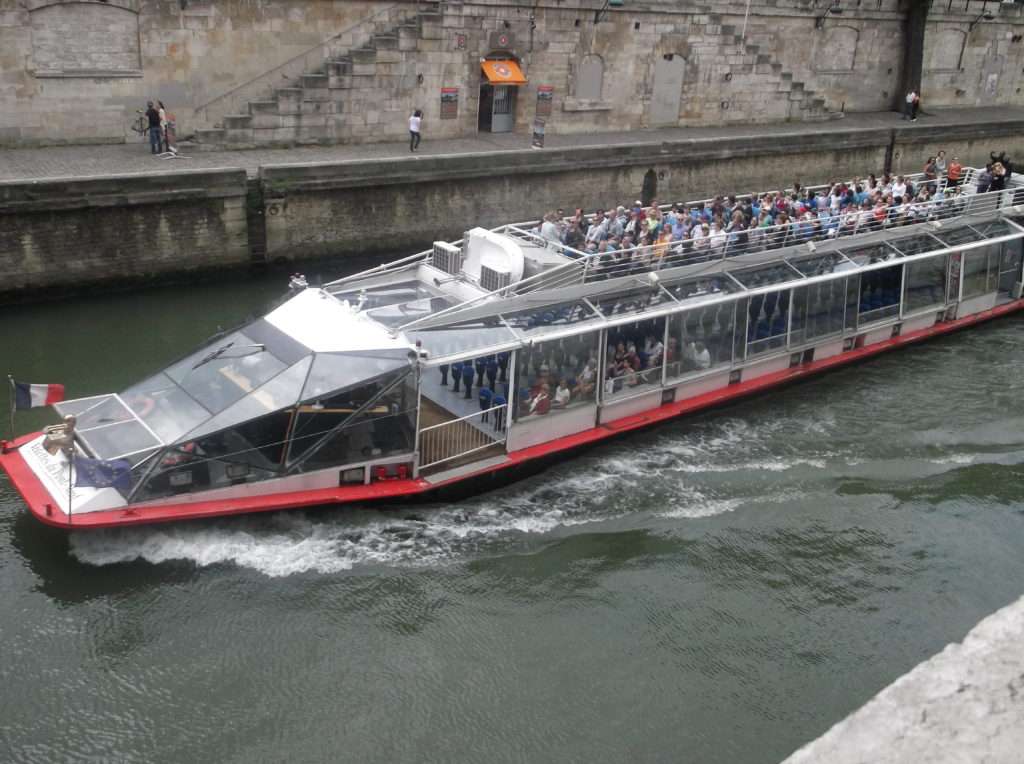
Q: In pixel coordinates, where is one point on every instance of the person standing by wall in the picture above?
(911, 106)
(154, 128)
(162, 111)
(414, 129)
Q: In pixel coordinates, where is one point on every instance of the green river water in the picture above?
(720, 589)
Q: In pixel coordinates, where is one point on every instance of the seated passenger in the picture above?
(701, 356)
(587, 380)
(541, 402)
(562, 395)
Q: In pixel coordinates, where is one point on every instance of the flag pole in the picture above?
(13, 400)
(71, 478)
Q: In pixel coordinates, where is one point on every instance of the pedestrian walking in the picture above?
(912, 101)
(154, 128)
(414, 129)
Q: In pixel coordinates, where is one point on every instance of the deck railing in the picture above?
(460, 437)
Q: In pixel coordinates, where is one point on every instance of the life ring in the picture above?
(143, 405)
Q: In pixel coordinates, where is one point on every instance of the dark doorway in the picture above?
(486, 107)
(650, 187)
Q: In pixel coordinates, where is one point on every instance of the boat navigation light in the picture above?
(812, 247)
(653, 278)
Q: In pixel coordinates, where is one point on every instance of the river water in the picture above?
(719, 589)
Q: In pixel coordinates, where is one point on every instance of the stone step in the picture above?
(289, 100)
(237, 121)
(210, 135)
(364, 56)
(385, 41)
(313, 81)
(262, 107)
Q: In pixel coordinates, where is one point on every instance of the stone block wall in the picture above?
(75, 72)
(64, 234)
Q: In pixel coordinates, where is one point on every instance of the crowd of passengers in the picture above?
(644, 237)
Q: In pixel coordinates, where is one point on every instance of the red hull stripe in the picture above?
(40, 503)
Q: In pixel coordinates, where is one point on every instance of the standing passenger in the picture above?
(154, 128)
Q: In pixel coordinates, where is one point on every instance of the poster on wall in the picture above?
(538, 134)
(449, 103)
(545, 95)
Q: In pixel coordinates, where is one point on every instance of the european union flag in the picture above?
(99, 473)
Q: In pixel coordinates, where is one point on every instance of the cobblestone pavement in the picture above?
(134, 157)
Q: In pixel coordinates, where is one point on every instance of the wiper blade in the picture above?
(220, 351)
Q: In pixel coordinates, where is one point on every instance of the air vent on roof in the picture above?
(447, 257)
(492, 280)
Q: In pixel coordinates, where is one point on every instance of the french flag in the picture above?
(29, 396)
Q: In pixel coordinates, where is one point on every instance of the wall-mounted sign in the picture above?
(449, 103)
(501, 41)
(545, 94)
(538, 134)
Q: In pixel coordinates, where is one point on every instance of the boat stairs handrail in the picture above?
(459, 437)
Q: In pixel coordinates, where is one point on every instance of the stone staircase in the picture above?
(753, 69)
(306, 110)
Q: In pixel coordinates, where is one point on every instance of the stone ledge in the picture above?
(576, 104)
(96, 74)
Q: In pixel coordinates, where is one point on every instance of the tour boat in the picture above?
(478, 361)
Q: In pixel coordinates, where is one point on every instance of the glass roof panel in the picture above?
(226, 370)
(695, 288)
(280, 392)
(915, 245)
(634, 301)
(109, 411)
(465, 338)
(77, 406)
(765, 275)
(993, 228)
(337, 371)
(559, 315)
(167, 409)
(962, 235)
(871, 253)
(816, 264)
(119, 439)
(402, 313)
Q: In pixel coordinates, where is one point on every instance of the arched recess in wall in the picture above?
(649, 189)
(835, 49)
(590, 78)
(85, 38)
(944, 49)
(667, 89)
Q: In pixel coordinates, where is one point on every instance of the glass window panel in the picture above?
(818, 311)
(874, 253)
(224, 459)
(880, 294)
(925, 284)
(636, 353)
(280, 392)
(118, 439)
(1010, 265)
(765, 275)
(373, 297)
(223, 372)
(701, 339)
(705, 286)
(556, 375)
(336, 371)
(975, 266)
(164, 407)
(768, 322)
(385, 426)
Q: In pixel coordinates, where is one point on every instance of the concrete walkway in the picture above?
(134, 157)
(964, 705)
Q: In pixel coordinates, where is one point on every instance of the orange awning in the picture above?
(503, 72)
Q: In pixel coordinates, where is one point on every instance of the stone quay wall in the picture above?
(75, 71)
(66, 235)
